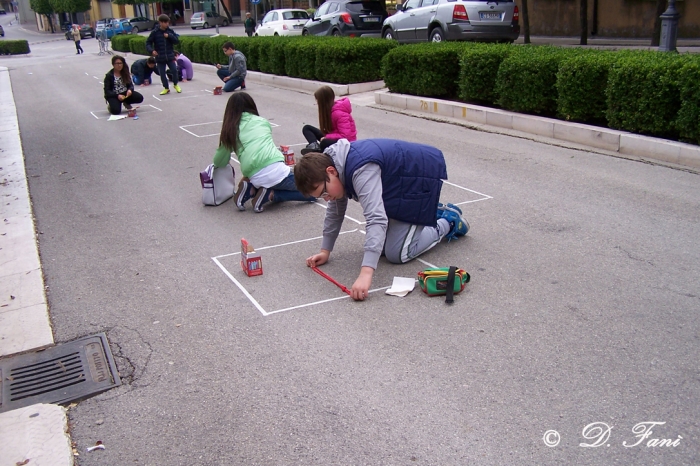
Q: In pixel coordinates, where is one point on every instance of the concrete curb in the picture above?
(311, 86)
(37, 433)
(24, 316)
(601, 138)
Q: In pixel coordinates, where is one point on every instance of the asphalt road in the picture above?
(583, 306)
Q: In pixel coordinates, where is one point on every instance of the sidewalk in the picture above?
(36, 433)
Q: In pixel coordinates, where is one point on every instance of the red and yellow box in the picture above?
(251, 262)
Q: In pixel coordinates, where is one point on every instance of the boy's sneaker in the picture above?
(243, 193)
(177, 88)
(165, 91)
(447, 207)
(262, 196)
(313, 147)
(243, 86)
(453, 214)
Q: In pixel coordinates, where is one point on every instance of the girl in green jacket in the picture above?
(265, 176)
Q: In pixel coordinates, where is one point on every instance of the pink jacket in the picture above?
(343, 123)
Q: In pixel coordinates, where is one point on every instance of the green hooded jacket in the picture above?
(257, 150)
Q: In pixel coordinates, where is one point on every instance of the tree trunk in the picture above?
(526, 22)
(594, 28)
(584, 22)
(656, 34)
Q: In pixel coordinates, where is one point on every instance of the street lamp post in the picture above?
(669, 28)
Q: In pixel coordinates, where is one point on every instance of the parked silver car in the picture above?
(141, 23)
(205, 20)
(438, 20)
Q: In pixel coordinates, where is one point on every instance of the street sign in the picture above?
(254, 2)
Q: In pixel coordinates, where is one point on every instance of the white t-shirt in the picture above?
(270, 176)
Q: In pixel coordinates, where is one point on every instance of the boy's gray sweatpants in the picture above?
(405, 241)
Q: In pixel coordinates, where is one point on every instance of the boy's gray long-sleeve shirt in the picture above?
(237, 65)
(367, 181)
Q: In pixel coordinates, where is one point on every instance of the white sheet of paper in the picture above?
(116, 117)
(401, 286)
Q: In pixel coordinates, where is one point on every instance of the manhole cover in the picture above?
(61, 374)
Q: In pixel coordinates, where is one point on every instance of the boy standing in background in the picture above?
(160, 44)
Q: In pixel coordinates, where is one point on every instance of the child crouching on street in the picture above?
(398, 185)
(265, 176)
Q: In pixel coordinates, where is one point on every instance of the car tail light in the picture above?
(284, 26)
(516, 14)
(347, 19)
(460, 13)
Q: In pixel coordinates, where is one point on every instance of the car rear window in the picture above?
(295, 15)
(356, 7)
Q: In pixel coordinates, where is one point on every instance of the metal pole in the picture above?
(669, 28)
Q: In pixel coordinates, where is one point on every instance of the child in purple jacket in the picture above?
(184, 66)
(335, 119)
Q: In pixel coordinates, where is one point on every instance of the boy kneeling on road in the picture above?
(398, 185)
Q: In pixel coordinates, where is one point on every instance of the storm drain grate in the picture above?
(61, 374)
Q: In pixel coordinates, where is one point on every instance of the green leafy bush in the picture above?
(137, 44)
(300, 57)
(581, 82)
(270, 54)
(120, 42)
(526, 80)
(14, 47)
(478, 71)
(213, 51)
(343, 60)
(688, 121)
(430, 69)
(643, 94)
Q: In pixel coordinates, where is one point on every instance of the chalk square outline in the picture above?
(265, 313)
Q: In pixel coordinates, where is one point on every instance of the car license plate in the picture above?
(298, 26)
(371, 19)
(489, 15)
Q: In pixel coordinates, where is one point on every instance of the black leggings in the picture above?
(115, 105)
(311, 133)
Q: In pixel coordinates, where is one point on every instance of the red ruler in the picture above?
(331, 279)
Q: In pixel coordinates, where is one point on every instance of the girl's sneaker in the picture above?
(262, 196)
(245, 191)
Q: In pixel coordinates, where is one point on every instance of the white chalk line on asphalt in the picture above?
(245, 291)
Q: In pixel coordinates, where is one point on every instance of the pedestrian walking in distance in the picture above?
(75, 32)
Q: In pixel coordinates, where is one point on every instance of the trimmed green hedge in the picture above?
(300, 57)
(527, 78)
(639, 91)
(643, 94)
(14, 47)
(688, 121)
(430, 69)
(581, 82)
(478, 71)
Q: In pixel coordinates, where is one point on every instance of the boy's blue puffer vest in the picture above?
(412, 177)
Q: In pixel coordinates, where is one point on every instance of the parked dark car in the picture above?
(142, 24)
(350, 18)
(85, 31)
(438, 20)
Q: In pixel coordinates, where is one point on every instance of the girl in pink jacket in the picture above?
(335, 119)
